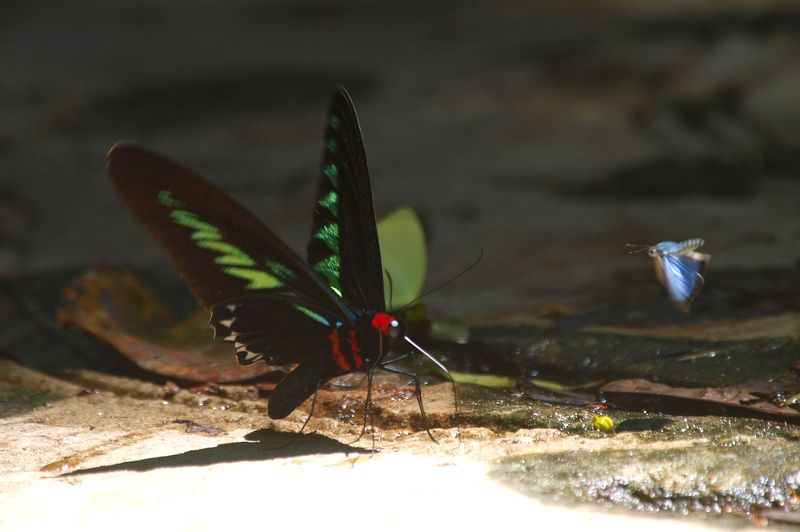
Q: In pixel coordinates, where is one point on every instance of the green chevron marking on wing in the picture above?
(329, 233)
(229, 255)
(165, 198)
(232, 259)
(331, 202)
(329, 267)
(258, 279)
(203, 230)
(332, 173)
(324, 251)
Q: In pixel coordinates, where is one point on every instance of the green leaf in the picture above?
(404, 255)
(486, 379)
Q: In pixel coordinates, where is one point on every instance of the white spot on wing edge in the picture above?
(247, 356)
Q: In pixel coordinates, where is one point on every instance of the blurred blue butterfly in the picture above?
(679, 268)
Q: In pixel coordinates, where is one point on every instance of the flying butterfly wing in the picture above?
(219, 248)
(344, 239)
(682, 277)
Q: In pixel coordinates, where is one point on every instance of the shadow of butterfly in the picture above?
(679, 268)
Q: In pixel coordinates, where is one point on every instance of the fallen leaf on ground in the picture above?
(113, 305)
(641, 394)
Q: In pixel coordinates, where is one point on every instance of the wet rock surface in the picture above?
(549, 134)
(695, 466)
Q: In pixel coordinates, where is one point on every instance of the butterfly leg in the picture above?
(368, 411)
(446, 373)
(417, 390)
(367, 416)
(311, 412)
(418, 393)
(299, 433)
(395, 360)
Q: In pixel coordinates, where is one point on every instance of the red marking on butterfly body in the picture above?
(355, 349)
(336, 351)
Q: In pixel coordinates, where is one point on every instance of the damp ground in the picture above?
(550, 135)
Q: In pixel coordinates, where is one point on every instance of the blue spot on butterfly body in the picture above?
(679, 268)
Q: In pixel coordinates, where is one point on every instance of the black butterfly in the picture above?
(326, 315)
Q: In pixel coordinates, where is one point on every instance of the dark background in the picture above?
(550, 133)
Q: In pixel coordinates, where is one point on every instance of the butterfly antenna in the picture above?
(449, 281)
(639, 248)
(446, 374)
(391, 286)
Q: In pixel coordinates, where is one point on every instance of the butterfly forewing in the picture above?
(219, 248)
(344, 239)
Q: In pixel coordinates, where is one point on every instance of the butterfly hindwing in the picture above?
(278, 331)
(219, 248)
(344, 238)
(298, 386)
